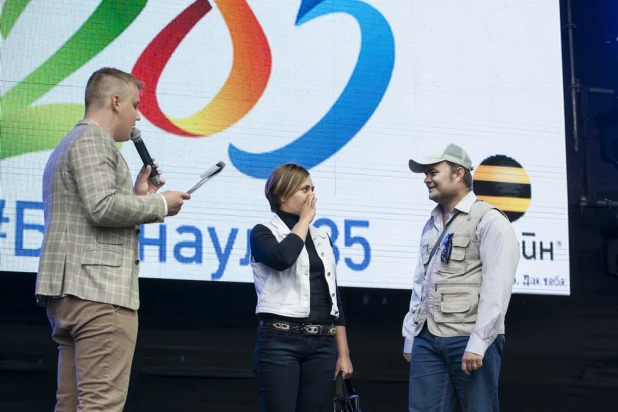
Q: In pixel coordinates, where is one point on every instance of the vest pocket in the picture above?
(456, 303)
(458, 262)
(461, 241)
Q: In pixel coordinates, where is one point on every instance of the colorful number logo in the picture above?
(354, 106)
(244, 86)
(251, 69)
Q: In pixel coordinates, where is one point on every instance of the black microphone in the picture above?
(136, 136)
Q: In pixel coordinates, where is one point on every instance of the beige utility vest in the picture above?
(450, 292)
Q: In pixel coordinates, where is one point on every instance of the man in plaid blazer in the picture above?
(88, 272)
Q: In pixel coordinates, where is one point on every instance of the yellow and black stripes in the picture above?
(503, 183)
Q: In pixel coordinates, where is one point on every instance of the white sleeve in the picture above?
(408, 327)
(499, 250)
(165, 203)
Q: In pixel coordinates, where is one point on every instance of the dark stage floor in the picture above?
(561, 352)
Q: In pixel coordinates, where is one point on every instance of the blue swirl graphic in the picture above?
(354, 107)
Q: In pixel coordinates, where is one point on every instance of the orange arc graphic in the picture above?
(248, 77)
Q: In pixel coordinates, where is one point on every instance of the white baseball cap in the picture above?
(451, 152)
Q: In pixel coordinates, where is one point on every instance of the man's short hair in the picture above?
(283, 182)
(467, 179)
(107, 82)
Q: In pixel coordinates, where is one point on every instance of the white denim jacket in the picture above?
(287, 293)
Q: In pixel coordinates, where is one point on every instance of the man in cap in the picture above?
(454, 331)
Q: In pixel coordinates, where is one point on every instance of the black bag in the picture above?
(346, 399)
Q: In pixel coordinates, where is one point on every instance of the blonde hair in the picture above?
(107, 82)
(283, 182)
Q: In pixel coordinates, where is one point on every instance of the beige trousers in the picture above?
(96, 342)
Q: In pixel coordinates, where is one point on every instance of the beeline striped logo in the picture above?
(502, 182)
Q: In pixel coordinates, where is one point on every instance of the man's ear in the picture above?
(461, 173)
(115, 102)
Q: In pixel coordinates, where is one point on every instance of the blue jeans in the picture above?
(436, 378)
(294, 372)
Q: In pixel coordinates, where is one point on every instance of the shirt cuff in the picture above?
(407, 345)
(477, 345)
(165, 203)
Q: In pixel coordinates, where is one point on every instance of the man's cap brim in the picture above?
(418, 166)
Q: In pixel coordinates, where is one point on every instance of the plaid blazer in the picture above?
(92, 220)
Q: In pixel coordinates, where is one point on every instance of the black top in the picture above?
(282, 255)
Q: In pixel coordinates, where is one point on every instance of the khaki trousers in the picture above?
(96, 342)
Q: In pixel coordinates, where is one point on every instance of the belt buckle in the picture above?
(332, 331)
(311, 329)
(281, 326)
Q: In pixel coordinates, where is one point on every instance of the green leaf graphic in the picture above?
(28, 129)
(10, 13)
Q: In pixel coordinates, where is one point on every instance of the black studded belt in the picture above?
(303, 328)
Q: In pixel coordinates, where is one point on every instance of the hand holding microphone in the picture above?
(136, 137)
(149, 182)
(143, 183)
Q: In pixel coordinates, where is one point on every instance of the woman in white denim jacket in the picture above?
(301, 344)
